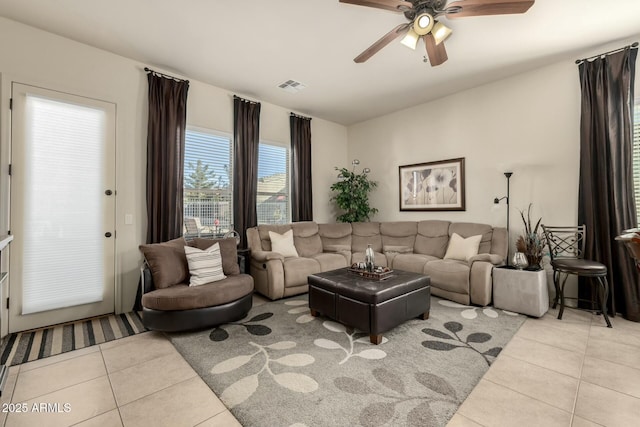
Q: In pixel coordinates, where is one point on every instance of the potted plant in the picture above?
(352, 194)
(532, 242)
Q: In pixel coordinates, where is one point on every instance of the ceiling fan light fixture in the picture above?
(440, 32)
(411, 39)
(423, 23)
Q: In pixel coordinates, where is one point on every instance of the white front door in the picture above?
(62, 207)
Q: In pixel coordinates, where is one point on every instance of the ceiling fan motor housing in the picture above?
(432, 7)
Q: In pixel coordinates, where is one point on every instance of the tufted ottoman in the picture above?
(372, 306)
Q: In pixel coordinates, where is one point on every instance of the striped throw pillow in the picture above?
(205, 266)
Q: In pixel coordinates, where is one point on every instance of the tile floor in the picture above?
(573, 372)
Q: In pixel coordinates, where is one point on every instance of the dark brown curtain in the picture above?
(606, 197)
(165, 156)
(301, 194)
(246, 136)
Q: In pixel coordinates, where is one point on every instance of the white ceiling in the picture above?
(251, 46)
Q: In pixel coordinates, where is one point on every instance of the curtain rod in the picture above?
(634, 45)
(149, 70)
(299, 116)
(245, 100)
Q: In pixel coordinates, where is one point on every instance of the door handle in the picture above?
(108, 192)
(107, 234)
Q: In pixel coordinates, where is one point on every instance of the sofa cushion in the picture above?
(167, 262)
(432, 238)
(263, 232)
(205, 266)
(296, 270)
(401, 233)
(334, 235)
(283, 244)
(411, 262)
(397, 249)
(306, 238)
(365, 233)
(184, 297)
(228, 251)
(329, 261)
(448, 274)
(462, 249)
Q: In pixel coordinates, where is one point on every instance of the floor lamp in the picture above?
(496, 201)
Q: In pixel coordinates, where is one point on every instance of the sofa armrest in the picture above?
(494, 259)
(146, 279)
(263, 256)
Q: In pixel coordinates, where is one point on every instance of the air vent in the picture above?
(292, 86)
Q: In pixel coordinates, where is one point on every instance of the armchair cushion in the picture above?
(183, 297)
(228, 251)
(167, 262)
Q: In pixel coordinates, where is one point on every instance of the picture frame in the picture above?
(433, 186)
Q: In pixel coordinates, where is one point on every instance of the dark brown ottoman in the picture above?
(372, 306)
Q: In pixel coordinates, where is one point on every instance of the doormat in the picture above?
(23, 347)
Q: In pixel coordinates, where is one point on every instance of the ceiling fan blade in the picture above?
(384, 40)
(436, 52)
(393, 5)
(488, 7)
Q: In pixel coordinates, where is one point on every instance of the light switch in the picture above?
(128, 219)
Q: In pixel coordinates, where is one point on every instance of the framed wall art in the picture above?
(433, 186)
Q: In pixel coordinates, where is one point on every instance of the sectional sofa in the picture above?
(417, 246)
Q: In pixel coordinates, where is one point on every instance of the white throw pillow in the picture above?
(283, 244)
(462, 249)
(205, 266)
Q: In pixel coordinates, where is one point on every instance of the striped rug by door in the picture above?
(36, 344)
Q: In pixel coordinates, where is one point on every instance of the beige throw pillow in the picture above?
(205, 266)
(462, 249)
(283, 244)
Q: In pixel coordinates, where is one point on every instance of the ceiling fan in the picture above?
(423, 24)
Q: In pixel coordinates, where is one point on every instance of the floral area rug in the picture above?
(282, 367)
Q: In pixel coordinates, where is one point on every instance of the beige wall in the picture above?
(31, 56)
(528, 124)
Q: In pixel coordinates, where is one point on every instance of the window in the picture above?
(636, 156)
(208, 192)
(273, 184)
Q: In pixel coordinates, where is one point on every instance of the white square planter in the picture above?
(521, 291)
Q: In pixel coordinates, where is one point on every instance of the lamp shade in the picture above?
(440, 32)
(411, 39)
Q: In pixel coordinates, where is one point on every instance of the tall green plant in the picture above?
(352, 195)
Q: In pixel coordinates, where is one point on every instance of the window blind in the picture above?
(273, 184)
(63, 230)
(208, 172)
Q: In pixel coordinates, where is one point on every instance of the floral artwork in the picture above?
(433, 186)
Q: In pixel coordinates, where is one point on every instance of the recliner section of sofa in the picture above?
(417, 246)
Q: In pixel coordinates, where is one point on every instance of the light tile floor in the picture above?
(573, 372)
